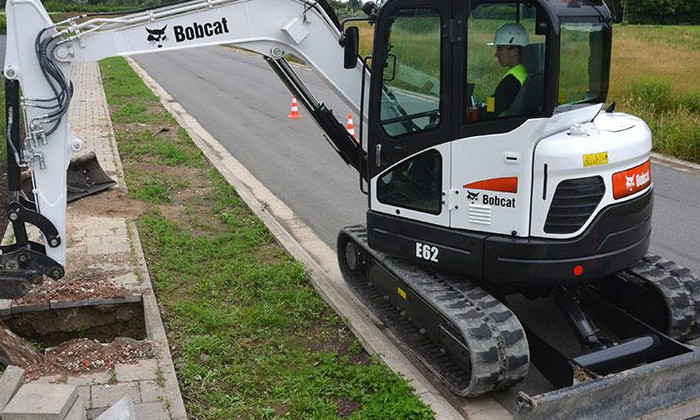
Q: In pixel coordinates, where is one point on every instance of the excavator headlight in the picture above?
(631, 180)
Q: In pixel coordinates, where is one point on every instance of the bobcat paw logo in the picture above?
(472, 196)
(157, 36)
(630, 184)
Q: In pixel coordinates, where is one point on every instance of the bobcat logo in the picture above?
(157, 36)
(472, 196)
(630, 184)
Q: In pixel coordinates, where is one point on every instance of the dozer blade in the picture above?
(654, 376)
(667, 389)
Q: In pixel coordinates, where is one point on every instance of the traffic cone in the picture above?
(295, 109)
(351, 127)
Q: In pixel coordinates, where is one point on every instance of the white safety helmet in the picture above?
(511, 34)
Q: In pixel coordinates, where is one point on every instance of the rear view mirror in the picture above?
(350, 46)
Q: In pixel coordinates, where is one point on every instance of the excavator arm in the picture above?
(38, 64)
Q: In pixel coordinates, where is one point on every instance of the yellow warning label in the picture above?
(594, 159)
(401, 293)
(490, 104)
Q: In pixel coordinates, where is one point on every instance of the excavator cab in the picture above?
(463, 98)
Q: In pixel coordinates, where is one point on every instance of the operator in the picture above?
(510, 40)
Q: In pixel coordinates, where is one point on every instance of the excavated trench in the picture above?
(100, 321)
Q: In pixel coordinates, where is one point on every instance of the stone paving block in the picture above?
(94, 413)
(121, 410)
(106, 395)
(10, 382)
(143, 370)
(115, 239)
(62, 304)
(133, 298)
(84, 395)
(107, 249)
(91, 240)
(128, 279)
(52, 379)
(5, 307)
(77, 411)
(36, 401)
(152, 392)
(35, 307)
(151, 411)
(95, 378)
(106, 301)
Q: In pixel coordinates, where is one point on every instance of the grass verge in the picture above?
(251, 338)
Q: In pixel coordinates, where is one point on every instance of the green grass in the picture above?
(654, 76)
(252, 339)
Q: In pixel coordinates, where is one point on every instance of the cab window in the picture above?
(505, 63)
(410, 100)
(582, 69)
(414, 184)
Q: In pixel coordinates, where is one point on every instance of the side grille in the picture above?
(573, 203)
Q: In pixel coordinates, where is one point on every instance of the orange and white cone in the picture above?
(351, 127)
(295, 109)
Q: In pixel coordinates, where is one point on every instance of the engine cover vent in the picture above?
(573, 203)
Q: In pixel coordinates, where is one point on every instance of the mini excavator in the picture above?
(471, 213)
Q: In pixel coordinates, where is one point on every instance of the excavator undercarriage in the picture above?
(630, 325)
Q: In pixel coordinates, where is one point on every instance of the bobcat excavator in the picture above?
(473, 216)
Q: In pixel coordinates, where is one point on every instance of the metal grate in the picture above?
(573, 203)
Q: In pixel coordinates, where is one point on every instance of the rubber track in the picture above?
(681, 292)
(498, 346)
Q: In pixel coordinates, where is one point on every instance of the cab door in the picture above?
(409, 124)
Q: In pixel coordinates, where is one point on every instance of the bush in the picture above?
(692, 101)
(655, 93)
(663, 12)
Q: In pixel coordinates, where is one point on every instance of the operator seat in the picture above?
(531, 95)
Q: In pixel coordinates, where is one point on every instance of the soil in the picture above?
(84, 355)
(71, 290)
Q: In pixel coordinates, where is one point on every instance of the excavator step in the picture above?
(470, 340)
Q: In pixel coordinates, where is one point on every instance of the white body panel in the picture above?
(625, 139)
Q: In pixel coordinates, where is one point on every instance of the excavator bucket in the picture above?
(85, 176)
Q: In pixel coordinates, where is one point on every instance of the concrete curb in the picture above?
(156, 332)
(682, 165)
(310, 250)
